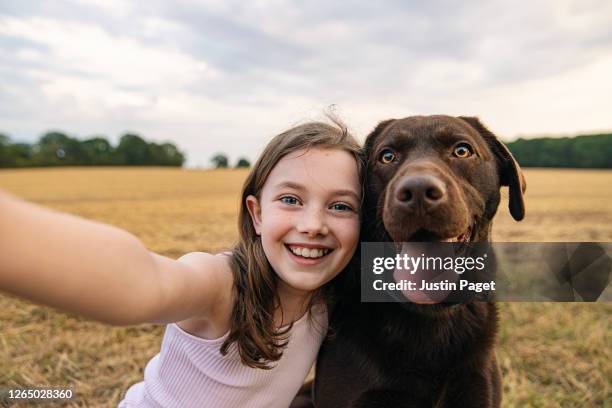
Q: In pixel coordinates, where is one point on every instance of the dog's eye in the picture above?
(387, 156)
(463, 150)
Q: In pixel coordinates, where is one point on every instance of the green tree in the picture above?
(97, 151)
(133, 151)
(57, 148)
(243, 162)
(592, 151)
(585, 151)
(5, 159)
(165, 154)
(174, 156)
(20, 155)
(220, 161)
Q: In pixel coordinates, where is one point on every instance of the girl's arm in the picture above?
(100, 271)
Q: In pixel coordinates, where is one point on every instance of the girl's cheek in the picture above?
(350, 229)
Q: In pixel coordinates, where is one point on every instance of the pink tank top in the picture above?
(191, 372)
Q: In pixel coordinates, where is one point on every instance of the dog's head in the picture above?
(437, 178)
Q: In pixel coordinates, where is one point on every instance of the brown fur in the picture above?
(409, 355)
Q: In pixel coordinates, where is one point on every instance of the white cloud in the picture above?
(92, 52)
(115, 8)
(226, 76)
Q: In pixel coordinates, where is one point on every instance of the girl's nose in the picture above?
(313, 223)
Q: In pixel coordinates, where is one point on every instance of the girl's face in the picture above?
(308, 216)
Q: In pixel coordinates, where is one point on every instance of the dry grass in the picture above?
(551, 354)
(562, 205)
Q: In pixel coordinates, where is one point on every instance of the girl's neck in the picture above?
(293, 304)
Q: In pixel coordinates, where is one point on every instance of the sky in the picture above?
(226, 76)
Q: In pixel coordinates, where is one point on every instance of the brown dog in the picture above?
(434, 178)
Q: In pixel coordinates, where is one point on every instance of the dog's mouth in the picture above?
(465, 236)
(424, 235)
(429, 281)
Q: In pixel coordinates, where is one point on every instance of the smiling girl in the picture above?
(244, 327)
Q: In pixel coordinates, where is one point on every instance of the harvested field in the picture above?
(551, 354)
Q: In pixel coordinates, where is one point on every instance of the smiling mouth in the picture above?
(308, 253)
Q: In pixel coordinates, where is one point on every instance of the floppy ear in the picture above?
(367, 147)
(510, 173)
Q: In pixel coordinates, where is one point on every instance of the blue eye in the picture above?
(341, 207)
(289, 200)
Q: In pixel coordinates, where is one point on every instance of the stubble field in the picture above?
(551, 354)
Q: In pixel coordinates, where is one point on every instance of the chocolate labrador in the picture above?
(429, 178)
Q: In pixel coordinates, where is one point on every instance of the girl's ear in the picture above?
(254, 208)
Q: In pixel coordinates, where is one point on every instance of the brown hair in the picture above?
(255, 297)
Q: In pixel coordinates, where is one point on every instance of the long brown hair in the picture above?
(255, 296)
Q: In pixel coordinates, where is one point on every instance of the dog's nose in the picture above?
(424, 192)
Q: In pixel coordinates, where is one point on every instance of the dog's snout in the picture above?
(424, 192)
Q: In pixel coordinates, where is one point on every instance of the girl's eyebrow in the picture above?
(290, 184)
(299, 187)
(349, 193)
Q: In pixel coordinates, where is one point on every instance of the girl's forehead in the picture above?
(325, 167)
(320, 160)
(317, 154)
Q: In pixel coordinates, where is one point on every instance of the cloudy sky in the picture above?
(227, 75)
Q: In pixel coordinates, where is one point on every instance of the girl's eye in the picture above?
(341, 207)
(387, 156)
(289, 200)
(463, 150)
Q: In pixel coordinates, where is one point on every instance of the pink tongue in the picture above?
(422, 275)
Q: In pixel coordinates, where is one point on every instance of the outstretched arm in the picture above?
(100, 271)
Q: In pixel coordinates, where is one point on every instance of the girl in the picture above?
(244, 327)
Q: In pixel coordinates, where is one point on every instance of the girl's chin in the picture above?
(300, 286)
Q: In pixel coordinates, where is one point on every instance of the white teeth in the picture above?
(309, 252)
(460, 238)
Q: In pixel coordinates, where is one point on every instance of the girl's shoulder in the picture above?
(219, 266)
(205, 257)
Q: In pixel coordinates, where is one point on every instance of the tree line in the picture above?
(586, 151)
(221, 161)
(59, 149)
